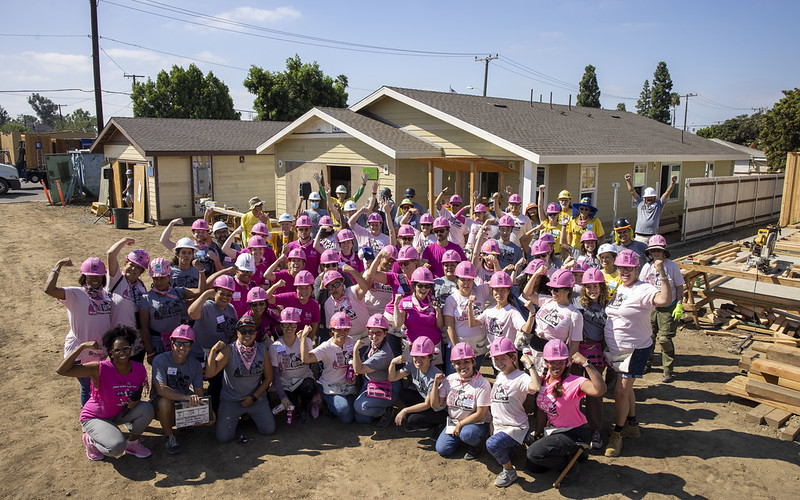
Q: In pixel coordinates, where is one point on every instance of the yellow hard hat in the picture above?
(564, 194)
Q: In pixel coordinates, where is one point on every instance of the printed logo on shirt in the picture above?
(342, 359)
(256, 370)
(346, 307)
(500, 393)
(547, 403)
(227, 325)
(167, 309)
(289, 361)
(102, 307)
(461, 399)
(617, 300)
(549, 316)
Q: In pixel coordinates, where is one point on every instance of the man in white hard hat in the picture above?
(648, 208)
(127, 193)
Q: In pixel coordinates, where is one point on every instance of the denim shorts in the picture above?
(638, 363)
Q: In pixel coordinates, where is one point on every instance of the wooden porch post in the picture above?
(430, 187)
(473, 186)
(458, 183)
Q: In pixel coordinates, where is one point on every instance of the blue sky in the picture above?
(732, 54)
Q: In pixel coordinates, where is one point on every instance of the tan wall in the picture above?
(174, 187)
(122, 152)
(152, 200)
(234, 183)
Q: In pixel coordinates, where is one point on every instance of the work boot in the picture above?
(631, 431)
(614, 447)
(668, 377)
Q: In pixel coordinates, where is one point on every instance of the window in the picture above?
(709, 170)
(639, 180)
(668, 171)
(588, 182)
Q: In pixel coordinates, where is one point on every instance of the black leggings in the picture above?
(301, 397)
(426, 418)
(556, 450)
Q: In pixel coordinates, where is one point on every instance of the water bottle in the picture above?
(350, 374)
(290, 415)
(278, 409)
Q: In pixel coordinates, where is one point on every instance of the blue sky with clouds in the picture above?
(735, 55)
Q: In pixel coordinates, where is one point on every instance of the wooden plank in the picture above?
(777, 417)
(773, 392)
(784, 354)
(792, 282)
(731, 324)
(737, 387)
(767, 379)
(757, 414)
(789, 384)
(789, 432)
(776, 368)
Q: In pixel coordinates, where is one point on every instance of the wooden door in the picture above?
(140, 192)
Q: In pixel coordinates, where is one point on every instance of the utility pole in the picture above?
(98, 93)
(486, 71)
(134, 77)
(686, 112)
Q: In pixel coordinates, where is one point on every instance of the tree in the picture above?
(661, 94)
(29, 121)
(621, 106)
(589, 95)
(183, 93)
(285, 96)
(45, 109)
(643, 104)
(79, 119)
(781, 133)
(13, 127)
(4, 118)
(674, 102)
(742, 129)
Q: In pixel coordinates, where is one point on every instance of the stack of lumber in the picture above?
(773, 381)
(781, 325)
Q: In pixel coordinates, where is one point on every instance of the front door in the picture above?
(201, 182)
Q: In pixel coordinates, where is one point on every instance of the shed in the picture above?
(756, 163)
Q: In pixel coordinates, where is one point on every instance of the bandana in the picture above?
(470, 379)
(96, 295)
(248, 354)
(581, 222)
(165, 293)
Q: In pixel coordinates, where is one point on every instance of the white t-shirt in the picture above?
(522, 224)
(458, 229)
(508, 396)
(126, 301)
(650, 275)
(505, 322)
(421, 241)
(88, 320)
(334, 366)
(463, 399)
(365, 238)
(554, 321)
(290, 366)
(628, 317)
(456, 306)
(355, 309)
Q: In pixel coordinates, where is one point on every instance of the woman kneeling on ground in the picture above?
(371, 358)
(116, 392)
(418, 413)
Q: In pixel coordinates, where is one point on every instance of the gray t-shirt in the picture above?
(443, 288)
(423, 382)
(648, 217)
(509, 254)
(315, 216)
(238, 380)
(178, 377)
(214, 325)
(639, 248)
(379, 361)
(594, 321)
(165, 310)
(189, 278)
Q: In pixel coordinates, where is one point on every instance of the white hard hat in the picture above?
(185, 243)
(649, 193)
(341, 189)
(350, 205)
(285, 218)
(314, 196)
(218, 225)
(607, 247)
(245, 262)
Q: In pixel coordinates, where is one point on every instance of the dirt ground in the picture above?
(695, 442)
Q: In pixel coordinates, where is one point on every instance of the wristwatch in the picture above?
(585, 363)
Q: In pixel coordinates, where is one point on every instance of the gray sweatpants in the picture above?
(106, 434)
(230, 411)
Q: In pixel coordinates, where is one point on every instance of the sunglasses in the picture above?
(585, 209)
(182, 343)
(120, 350)
(334, 285)
(439, 231)
(304, 229)
(330, 266)
(424, 286)
(246, 332)
(258, 304)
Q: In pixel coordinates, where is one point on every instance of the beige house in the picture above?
(428, 140)
(178, 162)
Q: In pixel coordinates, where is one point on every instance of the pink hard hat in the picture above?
(260, 228)
(329, 256)
(580, 266)
(297, 253)
(588, 236)
(480, 207)
(491, 247)
(407, 253)
(593, 275)
(326, 220)
(340, 321)
(200, 225)
(225, 281)
(552, 208)
(377, 321)
(455, 199)
(515, 198)
(426, 218)
(303, 221)
(139, 257)
(657, 242)
(466, 270)
(460, 351)
(627, 258)
(183, 332)
(405, 231)
(374, 217)
(506, 221)
(304, 278)
(500, 279)
(451, 256)
(555, 350)
(160, 267)
(290, 315)
(533, 266)
(500, 346)
(441, 222)
(540, 247)
(256, 242)
(331, 276)
(422, 275)
(390, 251)
(256, 294)
(93, 266)
(562, 278)
(345, 235)
(547, 237)
(422, 346)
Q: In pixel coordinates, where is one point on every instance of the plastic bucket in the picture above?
(121, 217)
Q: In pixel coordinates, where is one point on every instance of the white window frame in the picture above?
(591, 192)
(675, 194)
(639, 188)
(710, 169)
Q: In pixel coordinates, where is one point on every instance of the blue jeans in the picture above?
(86, 389)
(471, 435)
(501, 446)
(367, 407)
(339, 405)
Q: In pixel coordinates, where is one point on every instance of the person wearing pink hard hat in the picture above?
(549, 215)
(628, 337)
(325, 237)
(383, 282)
(305, 243)
(456, 315)
(293, 380)
(295, 261)
(522, 223)
(432, 255)
(417, 414)
(126, 289)
(480, 213)
(405, 236)
(371, 358)
(176, 377)
(419, 313)
(452, 212)
(559, 402)
(485, 260)
(373, 238)
(347, 299)
(201, 238)
(88, 311)
(348, 253)
(407, 260)
(509, 253)
(301, 299)
(117, 385)
(509, 419)
(468, 397)
(246, 372)
(586, 250)
(161, 308)
(424, 236)
(444, 286)
(257, 309)
(337, 383)
(664, 320)
(330, 260)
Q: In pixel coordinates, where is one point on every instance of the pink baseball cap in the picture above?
(340, 321)
(290, 315)
(225, 281)
(183, 332)
(422, 346)
(256, 294)
(303, 221)
(345, 235)
(304, 278)
(93, 266)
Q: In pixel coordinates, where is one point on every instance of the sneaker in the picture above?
(667, 378)
(171, 444)
(472, 453)
(137, 449)
(387, 418)
(316, 402)
(91, 450)
(597, 440)
(631, 431)
(416, 428)
(506, 478)
(614, 447)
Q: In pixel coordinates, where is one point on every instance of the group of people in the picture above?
(379, 316)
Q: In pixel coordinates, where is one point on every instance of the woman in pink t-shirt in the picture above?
(300, 298)
(117, 386)
(559, 402)
(418, 312)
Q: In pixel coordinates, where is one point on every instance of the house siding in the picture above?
(234, 183)
(175, 187)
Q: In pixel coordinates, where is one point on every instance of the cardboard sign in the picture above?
(187, 416)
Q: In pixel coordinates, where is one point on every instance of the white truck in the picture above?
(9, 178)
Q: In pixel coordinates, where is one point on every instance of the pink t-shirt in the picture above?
(508, 396)
(114, 391)
(434, 253)
(505, 322)
(628, 317)
(88, 320)
(420, 319)
(312, 256)
(266, 261)
(564, 412)
(355, 309)
(288, 278)
(309, 312)
(464, 398)
(554, 321)
(365, 238)
(334, 361)
(239, 299)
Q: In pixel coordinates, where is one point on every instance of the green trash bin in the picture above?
(121, 216)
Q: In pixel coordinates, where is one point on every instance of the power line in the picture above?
(44, 91)
(41, 35)
(173, 54)
(112, 59)
(703, 98)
